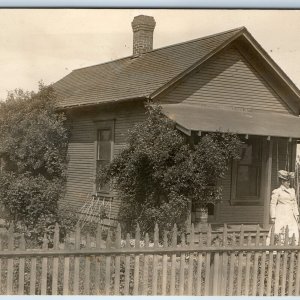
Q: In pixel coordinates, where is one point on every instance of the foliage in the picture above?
(159, 172)
(33, 151)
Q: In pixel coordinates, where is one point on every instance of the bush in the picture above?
(160, 173)
(33, 151)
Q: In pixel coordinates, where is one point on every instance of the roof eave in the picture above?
(90, 105)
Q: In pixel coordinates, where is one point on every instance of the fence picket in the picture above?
(146, 267)
(32, 276)
(173, 263)
(231, 267)
(216, 275)
(199, 268)
(10, 262)
(21, 267)
(137, 262)
(284, 270)
(155, 261)
(291, 269)
(270, 266)
(255, 263)
(277, 271)
(76, 261)
(224, 263)
(117, 262)
(248, 258)
(44, 267)
(191, 263)
(165, 266)
(182, 266)
(240, 263)
(97, 260)
(87, 267)
(263, 269)
(55, 260)
(108, 265)
(208, 280)
(297, 280)
(127, 266)
(66, 269)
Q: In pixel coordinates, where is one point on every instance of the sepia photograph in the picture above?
(149, 152)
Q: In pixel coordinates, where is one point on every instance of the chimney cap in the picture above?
(143, 22)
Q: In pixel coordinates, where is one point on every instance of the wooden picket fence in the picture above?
(166, 263)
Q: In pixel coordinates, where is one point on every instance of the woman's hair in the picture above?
(282, 180)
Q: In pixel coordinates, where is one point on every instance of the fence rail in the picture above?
(160, 263)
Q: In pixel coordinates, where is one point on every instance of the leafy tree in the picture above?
(159, 173)
(33, 151)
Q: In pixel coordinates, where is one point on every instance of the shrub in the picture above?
(159, 172)
(33, 151)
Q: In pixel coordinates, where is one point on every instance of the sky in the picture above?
(47, 44)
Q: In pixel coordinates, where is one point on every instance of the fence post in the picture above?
(117, 261)
(44, 267)
(155, 261)
(146, 267)
(76, 261)
(87, 267)
(97, 264)
(107, 265)
(240, 263)
(55, 260)
(137, 261)
(208, 263)
(21, 267)
(223, 281)
(215, 261)
(164, 265)
(182, 266)
(191, 262)
(10, 261)
(173, 263)
(127, 266)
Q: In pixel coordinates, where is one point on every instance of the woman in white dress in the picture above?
(284, 208)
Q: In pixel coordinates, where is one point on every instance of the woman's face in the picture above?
(286, 183)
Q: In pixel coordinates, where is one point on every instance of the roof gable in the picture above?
(131, 78)
(229, 81)
(157, 71)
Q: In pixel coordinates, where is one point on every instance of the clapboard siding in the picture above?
(82, 156)
(227, 80)
(227, 213)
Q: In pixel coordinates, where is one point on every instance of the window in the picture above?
(246, 173)
(105, 139)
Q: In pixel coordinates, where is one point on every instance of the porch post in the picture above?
(267, 183)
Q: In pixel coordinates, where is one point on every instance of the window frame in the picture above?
(103, 125)
(248, 200)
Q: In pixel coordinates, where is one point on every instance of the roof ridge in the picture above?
(201, 38)
(172, 45)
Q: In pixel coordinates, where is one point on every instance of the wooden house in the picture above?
(222, 82)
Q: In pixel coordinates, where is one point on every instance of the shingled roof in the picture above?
(140, 77)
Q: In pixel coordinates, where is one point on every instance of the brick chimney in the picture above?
(143, 27)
